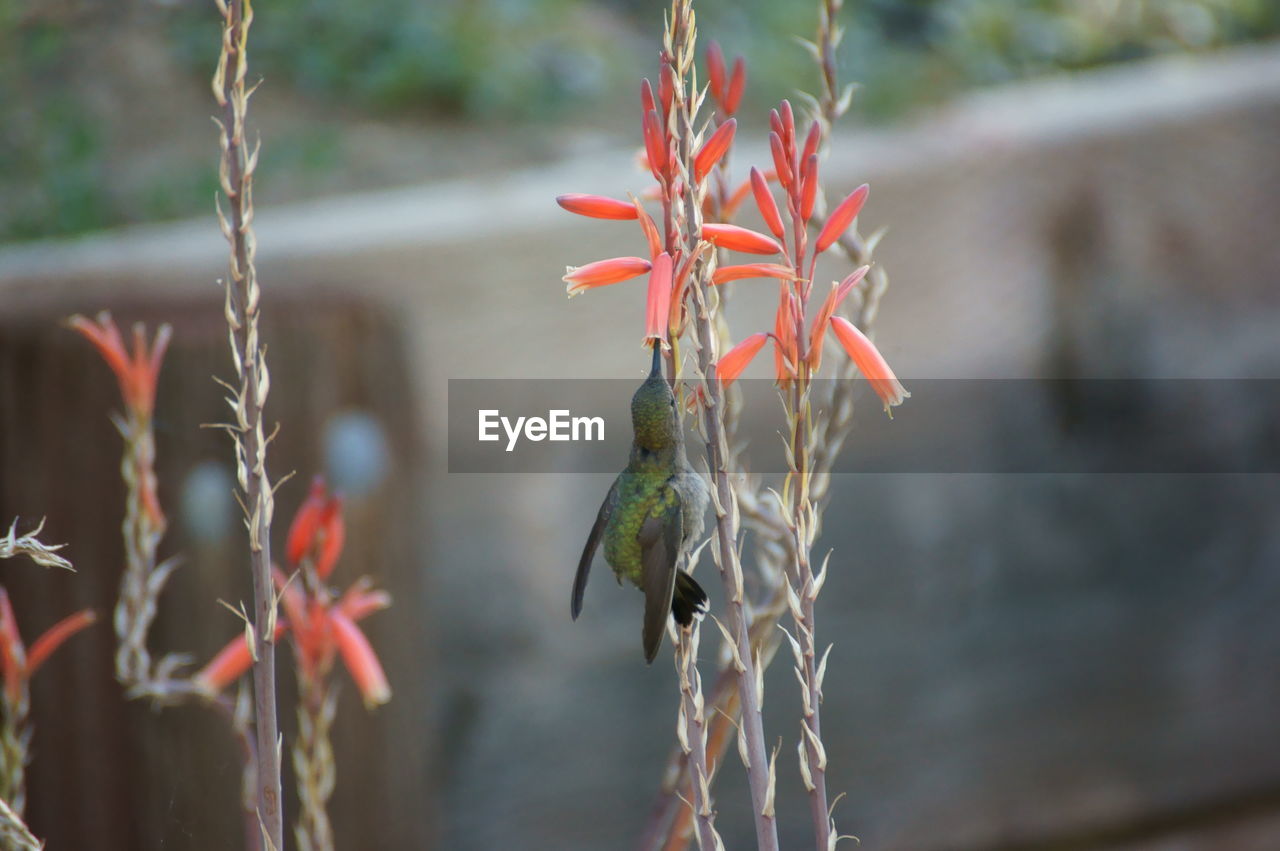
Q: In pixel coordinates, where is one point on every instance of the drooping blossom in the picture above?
(734, 361)
(322, 627)
(870, 362)
(658, 301)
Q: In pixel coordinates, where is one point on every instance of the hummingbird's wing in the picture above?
(589, 551)
(659, 539)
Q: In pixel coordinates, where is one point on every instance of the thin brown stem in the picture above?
(313, 762)
(14, 834)
(15, 740)
(760, 773)
(243, 298)
(692, 728)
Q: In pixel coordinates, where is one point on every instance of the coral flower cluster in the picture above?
(669, 266)
(321, 624)
(798, 342)
(797, 350)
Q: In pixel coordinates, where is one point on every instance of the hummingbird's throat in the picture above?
(655, 371)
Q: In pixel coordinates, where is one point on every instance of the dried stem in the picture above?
(830, 423)
(141, 585)
(45, 555)
(144, 577)
(313, 762)
(249, 394)
(760, 773)
(14, 834)
(691, 727)
(15, 742)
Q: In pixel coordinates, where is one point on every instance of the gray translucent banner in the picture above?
(947, 426)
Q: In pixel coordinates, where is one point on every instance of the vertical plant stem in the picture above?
(249, 394)
(692, 728)
(15, 738)
(14, 834)
(761, 777)
(142, 529)
(801, 597)
(313, 762)
(750, 688)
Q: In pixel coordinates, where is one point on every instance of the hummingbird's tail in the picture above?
(689, 600)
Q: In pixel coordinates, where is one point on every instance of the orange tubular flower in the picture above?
(753, 270)
(658, 303)
(713, 150)
(785, 352)
(361, 661)
(780, 164)
(841, 217)
(604, 272)
(811, 141)
(764, 200)
(230, 664)
(55, 635)
(322, 628)
(318, 530)
(655, 147)
(650, 229)
(737, 85)
(808, 186)
(137, 372)
(869, 362)
(716, 71)
(597, 206)
(734, 361)
(647, 102)
(17, 664)
(666, 90)
(737, 238)
(837, 295)
(13, 654)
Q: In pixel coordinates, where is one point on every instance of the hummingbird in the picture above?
(652, 516)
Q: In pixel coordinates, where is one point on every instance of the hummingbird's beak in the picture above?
(655, 371)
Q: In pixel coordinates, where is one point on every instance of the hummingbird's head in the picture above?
(653, 410)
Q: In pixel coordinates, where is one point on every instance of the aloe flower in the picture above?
(322, 626)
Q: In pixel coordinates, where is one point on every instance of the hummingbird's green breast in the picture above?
(642, 494)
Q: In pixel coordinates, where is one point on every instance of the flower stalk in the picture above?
(830, 421)
(679, 54)
(249, 393)
(322, 629)
(144, 576)
(313, 762)
(691, 730)
(14, 833)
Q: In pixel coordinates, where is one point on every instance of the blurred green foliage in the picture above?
(50, 168)
(529, 60)
(905, 53)
(510, 58)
